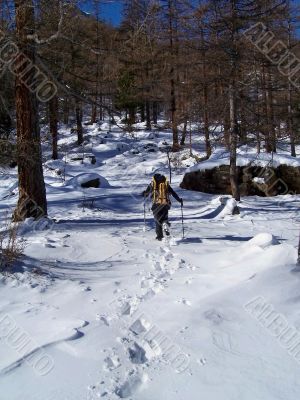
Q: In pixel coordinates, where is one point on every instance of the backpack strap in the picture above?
(154, 190)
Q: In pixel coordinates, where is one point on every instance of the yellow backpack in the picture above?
(160, 192)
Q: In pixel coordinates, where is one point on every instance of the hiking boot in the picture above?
(166, 226)
(160, 238)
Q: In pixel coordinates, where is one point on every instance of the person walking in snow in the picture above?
(160, 191)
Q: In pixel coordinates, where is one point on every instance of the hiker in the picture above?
(160, 191)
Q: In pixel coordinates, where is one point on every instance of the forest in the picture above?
(219, 63)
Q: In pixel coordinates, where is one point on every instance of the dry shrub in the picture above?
(11, 246)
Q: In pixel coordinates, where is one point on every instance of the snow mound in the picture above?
(33, 225)
(224, 206)
(263, 240)
(229, 208)
(82, 179)
(105, 126)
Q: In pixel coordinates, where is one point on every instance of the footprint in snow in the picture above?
(111, 363)
(103, 319)
(201, 361)
(132, 384)
(147, 283)
(214, 316)
(137, 354)
(184, 301)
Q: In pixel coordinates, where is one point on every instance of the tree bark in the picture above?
(232, 90)
(206, 123)
(79, 123)
(32, 194)
(155, 112)
(233, 144)
(290, 122)
(143, 118)
(66, 111)
(148, 116)
(184, 132)
(53, 119)
(94, 113)
(173, 102)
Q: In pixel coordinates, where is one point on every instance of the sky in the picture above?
(110, 10)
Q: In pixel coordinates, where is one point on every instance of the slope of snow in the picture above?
(120, 315)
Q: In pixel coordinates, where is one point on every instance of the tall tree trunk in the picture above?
(143, 118)
(268, 116)
(32, 194)
(290, 122)
(79, 122)
(233, 144)
(174, 114)
(94, 107)
(148, 116)
(227, 129)
(66, 111)
(184, 132)
(155, 112)
(94, 113)
(206, 123)
(131, 117)
(270, 106)
(232, 91)
(173, 102)
(101, 108)
(205, 98)
(53, 119)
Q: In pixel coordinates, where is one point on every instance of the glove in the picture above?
(181, 202)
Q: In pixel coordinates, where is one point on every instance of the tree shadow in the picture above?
(230, 238)
(191, 240)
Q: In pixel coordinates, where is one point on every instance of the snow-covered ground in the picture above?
(111, 313)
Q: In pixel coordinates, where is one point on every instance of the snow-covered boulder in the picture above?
(257, 175)
(88, 181)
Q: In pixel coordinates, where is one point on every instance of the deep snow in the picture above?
(123, 316)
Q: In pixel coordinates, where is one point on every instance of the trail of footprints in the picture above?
(137, 352)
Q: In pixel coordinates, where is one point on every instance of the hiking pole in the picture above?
(144, 215)
(182, 221)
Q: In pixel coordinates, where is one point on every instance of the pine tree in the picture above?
(32, 194)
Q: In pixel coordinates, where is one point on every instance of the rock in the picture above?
(81, 157)
(253, 180)
(91, 180)
(93, 183)
(13, 164)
